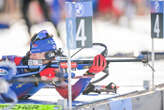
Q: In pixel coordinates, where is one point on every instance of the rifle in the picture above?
(81, 63)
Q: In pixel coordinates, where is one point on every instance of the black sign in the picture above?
(84, 32)
(157, 25)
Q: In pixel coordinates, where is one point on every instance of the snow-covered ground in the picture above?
(118, 38)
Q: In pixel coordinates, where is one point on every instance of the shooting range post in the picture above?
(79, 30)
(157, 26)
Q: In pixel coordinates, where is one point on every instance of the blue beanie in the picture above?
(43, 43)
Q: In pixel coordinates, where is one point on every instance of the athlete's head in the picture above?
(42, 46)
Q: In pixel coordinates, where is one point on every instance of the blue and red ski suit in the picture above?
(22, 90)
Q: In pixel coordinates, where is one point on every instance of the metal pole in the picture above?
(69, 81)
(157, 31)
(153, 61)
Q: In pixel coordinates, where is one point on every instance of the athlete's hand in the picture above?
(47, 74)
(99, 64)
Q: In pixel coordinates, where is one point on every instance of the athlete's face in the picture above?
(37, 56)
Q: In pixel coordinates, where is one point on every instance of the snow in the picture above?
(118, 38)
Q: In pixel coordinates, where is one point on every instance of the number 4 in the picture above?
(156, 26)
(81, 30)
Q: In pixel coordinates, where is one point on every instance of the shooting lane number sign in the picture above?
(79, 23)
(157, 24)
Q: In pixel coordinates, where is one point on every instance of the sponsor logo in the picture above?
(31, 107)
(20, 85)
(34, 45)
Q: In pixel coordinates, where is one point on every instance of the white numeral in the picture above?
(156, 26)
(81, 30)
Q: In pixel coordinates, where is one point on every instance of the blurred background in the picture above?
(123, 25)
